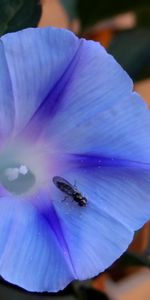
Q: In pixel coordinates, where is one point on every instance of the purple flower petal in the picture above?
(97, 84)
(127, 179)
(90, 127)
(30, 253)
(122, 131)
(37, 60)
(117, 205)
(85, 66)
(7, 111)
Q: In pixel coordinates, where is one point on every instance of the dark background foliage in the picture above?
(91, 11)
(18, 14)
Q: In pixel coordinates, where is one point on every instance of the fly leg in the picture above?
(75, 185)
(65, 198)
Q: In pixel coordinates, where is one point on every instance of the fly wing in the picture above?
(63, 185)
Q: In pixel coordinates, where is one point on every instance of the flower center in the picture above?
(16, 178)
(26, 168)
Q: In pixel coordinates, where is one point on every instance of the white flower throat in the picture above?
(24, 167)
(17, 179)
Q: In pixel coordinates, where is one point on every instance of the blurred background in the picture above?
(123, 28)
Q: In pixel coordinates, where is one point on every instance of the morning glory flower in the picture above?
(67, 109)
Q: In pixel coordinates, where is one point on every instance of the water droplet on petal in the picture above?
(16, 178)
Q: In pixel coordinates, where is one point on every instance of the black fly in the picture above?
(69, 190)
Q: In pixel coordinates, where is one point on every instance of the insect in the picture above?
(69, 190)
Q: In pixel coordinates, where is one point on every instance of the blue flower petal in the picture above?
(68, 77)
(85, 106)
(117, 204)
(30, 254)
(96, 84)
(7, 112)
(127, 182)
(37, 59)
(122, 131)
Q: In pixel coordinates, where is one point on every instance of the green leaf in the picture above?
(18, 14)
